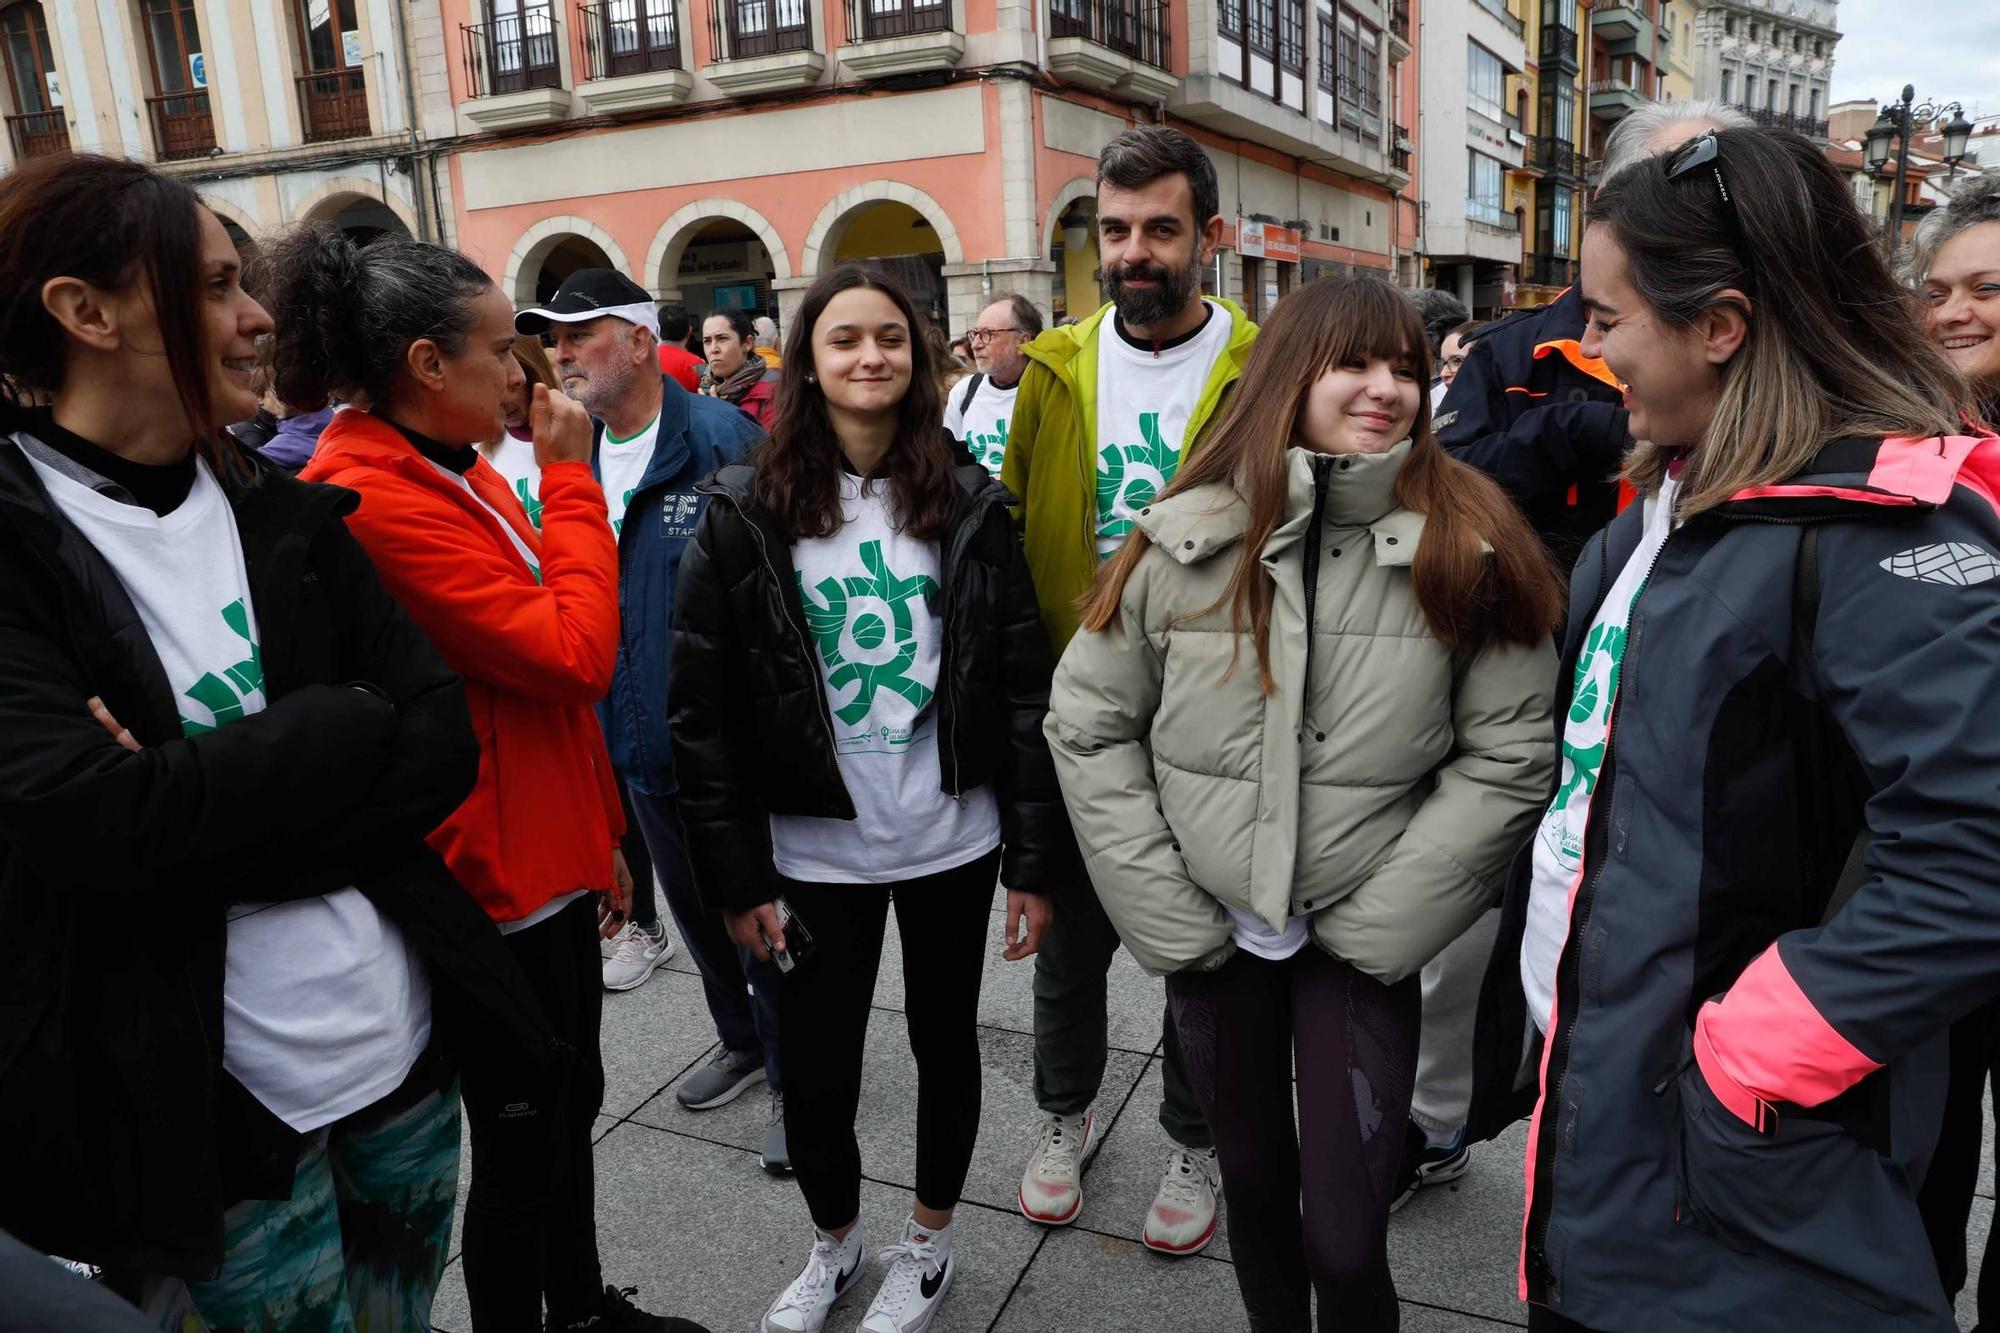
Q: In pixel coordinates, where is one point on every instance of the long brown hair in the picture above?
(1835, 346)
(798, 468)
(111, 223)
(1470, 596)
(534, 361)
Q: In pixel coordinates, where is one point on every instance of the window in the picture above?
(521, 46)
(1815, 104)
(1819, 46)
(1560, 232)
(174, 40)
(1229, 18)
(329, 34)
(1329, 57)
(1482, 189)
(1360, 75)
(764, 27)
(333, 91)
(1728, 85)
(1729, 25)
(1750, 93)
(30, 63)
(1559, 13)
(1486, 82)
(1371, 80)
(1556, 115)
(1292, 35)
(1263, 34)
(1792, 100)
(640, 35)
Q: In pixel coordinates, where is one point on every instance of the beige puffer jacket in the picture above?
(1385, 800)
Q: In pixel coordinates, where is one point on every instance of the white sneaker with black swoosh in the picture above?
(921, 1268)
(831, 1271)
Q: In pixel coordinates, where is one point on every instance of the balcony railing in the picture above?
(1134, 28)
(1549, 270)
(630, 37)
(742, 29)
(38, 134)
(873, 20)
(515, 53)
(1399, 19)
(333, 104)
(182, 126)
(1490, 213)
(1558, 45)
(1785, 120)
(1400, 147)
(1557, 157)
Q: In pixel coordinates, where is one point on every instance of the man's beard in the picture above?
(598, 392)
(1168, 296)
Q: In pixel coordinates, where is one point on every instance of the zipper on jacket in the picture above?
(1320, 465)
(961, 538)
(805, 640)
(1568, 969)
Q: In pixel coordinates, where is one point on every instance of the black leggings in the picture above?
(823, 1008)
(1355, 1042)
(530, 1215)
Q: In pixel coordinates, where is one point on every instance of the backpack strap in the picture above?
(972, 384)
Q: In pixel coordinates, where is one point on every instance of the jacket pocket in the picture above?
(1800, 1192)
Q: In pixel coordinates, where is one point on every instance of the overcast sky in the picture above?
(1950, 49)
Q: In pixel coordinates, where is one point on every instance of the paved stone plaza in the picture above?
(686, 1215)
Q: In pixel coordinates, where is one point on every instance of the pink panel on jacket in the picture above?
(1765, 1041)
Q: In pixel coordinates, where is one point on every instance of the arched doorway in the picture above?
(565, 256)
(725, 266)
(360, 217)
(1073, 249)
(901, 240)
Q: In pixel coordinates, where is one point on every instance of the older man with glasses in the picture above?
(978, 410)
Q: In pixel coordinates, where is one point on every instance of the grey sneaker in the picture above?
(776, 1157)
(720, 1081)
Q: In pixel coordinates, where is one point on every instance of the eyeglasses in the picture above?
(986, 335)
(1705, 150)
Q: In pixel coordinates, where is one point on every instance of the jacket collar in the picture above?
(670, 443)
(1205, 520)
(1859, 477)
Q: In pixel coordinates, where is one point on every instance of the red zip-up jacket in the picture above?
(536, 653)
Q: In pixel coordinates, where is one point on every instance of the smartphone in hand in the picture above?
(798, 940)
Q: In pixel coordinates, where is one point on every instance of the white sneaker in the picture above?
(1182, 1218)
(1052, 1187)
(832, 1269)
(637, 954)
(921, 1268)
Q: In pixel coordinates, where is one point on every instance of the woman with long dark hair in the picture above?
(417, 337)
(1768, 879)
(736, 373)
(222, 741)
(1301, 735)
(858, 682)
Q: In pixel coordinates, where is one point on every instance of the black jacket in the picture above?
(1530, 411)
(123, 1138)
(752, 732)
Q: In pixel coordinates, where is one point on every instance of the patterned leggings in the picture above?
(361, 1243)
(1308, 1204)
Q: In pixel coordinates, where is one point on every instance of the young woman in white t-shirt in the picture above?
(221, 746)
(858, 682)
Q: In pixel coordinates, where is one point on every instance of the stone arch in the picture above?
(329, 197)
(235, 213)
(1083, 187)
(821, 240)
(663, 260)
(536, 242)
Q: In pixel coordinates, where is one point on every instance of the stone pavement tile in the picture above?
(1082, 1282)
(886, 1121)
(1124, 1173)
(651, 1036)
(705, 1235)
(1455, 1246)
(1429, 1319)
(1977, 1228)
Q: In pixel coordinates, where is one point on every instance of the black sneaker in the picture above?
(1424, 1164)
(619, 1315)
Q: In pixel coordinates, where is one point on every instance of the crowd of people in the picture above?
(382, 654)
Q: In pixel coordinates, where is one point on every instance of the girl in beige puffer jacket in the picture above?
(1301, 736)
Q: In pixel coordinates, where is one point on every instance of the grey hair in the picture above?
(1026, 317)
(1975, 200)
(1145, 153)
(1631, 140)
(346, 316)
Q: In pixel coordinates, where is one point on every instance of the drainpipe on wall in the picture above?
(413, 157)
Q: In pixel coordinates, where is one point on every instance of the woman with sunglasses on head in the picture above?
(859, 678)
(221, 738)
(1301, 734)
(1769, 878)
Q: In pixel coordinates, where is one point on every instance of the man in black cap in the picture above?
(654, 441)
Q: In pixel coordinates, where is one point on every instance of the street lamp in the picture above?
(1895, 123)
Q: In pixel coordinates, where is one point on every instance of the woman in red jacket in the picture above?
(417, 336)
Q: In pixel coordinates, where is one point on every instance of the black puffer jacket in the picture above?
(753, 735)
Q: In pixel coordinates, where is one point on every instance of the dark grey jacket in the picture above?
(1738, 1101)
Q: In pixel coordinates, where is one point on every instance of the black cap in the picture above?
(592, 293)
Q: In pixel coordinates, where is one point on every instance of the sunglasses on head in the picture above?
(1705, 150)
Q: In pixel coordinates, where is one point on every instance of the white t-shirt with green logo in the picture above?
(982, 424)
(1558, 847)
(621, 465)
(1145, 400)
(325, 1007)
(874, 610)
(514, 459)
